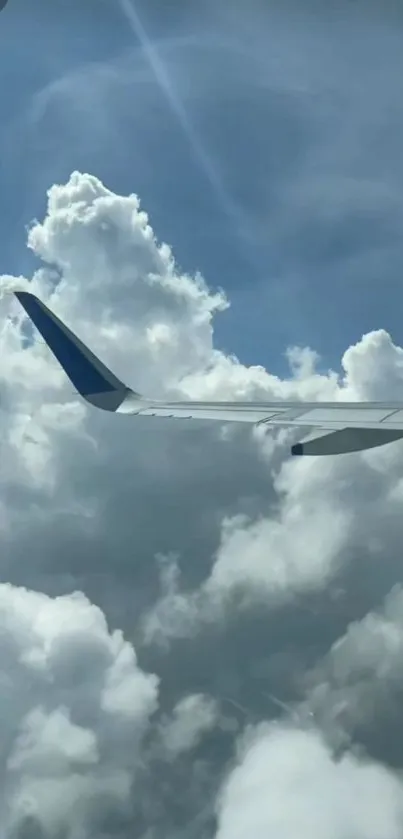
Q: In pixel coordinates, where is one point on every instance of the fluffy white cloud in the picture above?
(298, 547)
(192, 717)
(324, 511)
(120, 285)
(359, 682)
(74, 709)
(289, 785)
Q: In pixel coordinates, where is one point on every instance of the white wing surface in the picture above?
(335, 427)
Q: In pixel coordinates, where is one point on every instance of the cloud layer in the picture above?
(230, 569)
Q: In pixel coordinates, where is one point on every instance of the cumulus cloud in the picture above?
(288, 783)
(355, 691)
(192, 717)
(74, 708)
(271, 559)
(102, 504)
(91, 232)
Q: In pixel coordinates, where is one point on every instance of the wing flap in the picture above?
(347, 414)
(253, 412)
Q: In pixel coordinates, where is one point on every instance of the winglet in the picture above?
(95, 382)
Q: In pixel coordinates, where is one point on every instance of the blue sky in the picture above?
(264, 140)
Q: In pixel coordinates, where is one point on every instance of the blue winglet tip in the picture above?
(22, 295)
(85, 371)
(27, 299)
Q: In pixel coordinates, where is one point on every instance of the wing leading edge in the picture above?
(339, 427)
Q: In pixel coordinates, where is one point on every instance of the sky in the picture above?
(200, 637)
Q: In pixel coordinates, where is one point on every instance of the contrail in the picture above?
(162, 77)
(282, 705)
(165, 83)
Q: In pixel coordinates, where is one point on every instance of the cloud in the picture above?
(288, 783)
(192, 717)
(74, 709)
(355, 690)
(257, 560)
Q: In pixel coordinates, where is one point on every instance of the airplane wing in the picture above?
(335, 427)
